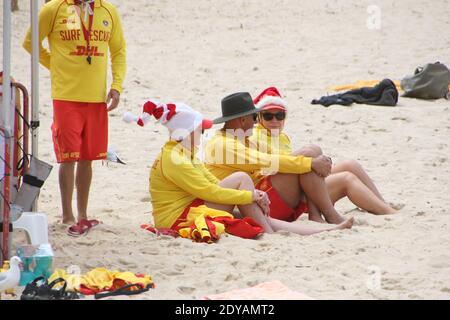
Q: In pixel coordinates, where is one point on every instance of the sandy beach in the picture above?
(198, 52)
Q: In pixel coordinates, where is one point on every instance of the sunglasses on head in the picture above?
(281, 115)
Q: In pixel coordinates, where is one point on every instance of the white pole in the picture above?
(34, 81)
(6, 114)
(35, 73)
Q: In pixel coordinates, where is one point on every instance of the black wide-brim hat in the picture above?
(236, 105)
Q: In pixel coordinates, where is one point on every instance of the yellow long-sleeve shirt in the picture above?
(73, 78)
(266, 142)
(176, 180)
(226, 154)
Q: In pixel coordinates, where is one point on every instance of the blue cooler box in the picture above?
(37, 261)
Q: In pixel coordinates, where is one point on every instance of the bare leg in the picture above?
(310, 150)
(289, 187)
(314, 213)
(242, 181)
(308, 230)
(316, 190)
(354, 167)
(347, 184)
(83, 182)
(66, 186)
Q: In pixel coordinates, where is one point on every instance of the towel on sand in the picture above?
(273, 290)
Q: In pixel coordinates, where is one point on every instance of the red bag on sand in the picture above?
(246, 228)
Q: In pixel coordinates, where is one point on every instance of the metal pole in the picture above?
(5, 117)
(34, 82)
(6, 114)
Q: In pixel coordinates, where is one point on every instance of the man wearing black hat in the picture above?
(230, 151)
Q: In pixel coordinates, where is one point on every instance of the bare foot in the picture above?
(347, 224)
(334, 218)
(396, 206)
(316, 217)
(392, 211)
(69, 221)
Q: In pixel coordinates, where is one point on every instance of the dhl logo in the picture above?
(87, 51)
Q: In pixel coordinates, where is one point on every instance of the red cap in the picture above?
(270, 98)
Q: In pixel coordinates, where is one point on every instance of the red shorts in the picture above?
(80, 130)
(278, 208)
(182, 218)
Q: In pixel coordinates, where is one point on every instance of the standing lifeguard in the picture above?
(80, 33)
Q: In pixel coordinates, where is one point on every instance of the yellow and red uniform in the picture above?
(226, 154)
(263, 140)
(179, 181)
(280, 144)
(235, 156)
(80, 120)
(73, 78)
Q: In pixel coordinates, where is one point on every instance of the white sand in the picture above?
(200, 51)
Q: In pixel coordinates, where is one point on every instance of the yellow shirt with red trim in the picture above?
(266, 142)
(226, 154)
(72, 77)
(176, 180)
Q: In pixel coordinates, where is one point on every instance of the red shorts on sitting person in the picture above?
(278, 208)
(79, 130)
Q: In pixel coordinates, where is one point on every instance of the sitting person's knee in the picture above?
(349, 177)
(351, 165)
(243, 177)
(317, 151)
(310, 150)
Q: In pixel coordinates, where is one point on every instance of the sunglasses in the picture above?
(269, 116)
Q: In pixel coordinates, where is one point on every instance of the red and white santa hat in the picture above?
(270, 98)
(178, 117)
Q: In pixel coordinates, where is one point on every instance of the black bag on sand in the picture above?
(46, 291)
(428, 82)
(383, 94)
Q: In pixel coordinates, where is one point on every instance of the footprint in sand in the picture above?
(361, 222)
(233, 277)
(150, 251)
(127, 263)
(397, 206)
(392, 284)
(252, 283)
(185, 290)
(172, 273)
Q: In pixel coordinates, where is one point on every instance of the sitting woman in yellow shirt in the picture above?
(347, 179)
(179, 180)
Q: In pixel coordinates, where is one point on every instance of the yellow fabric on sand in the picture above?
(177, 179)
(201, 232)
(98, 279)
(362, 83)
(226, 154)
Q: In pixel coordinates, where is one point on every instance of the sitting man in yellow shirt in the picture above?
(347, 179)
(230, 151)
(179, 180)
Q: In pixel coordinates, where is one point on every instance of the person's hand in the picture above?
(321, 165)
(114, 98)
(262, 200)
